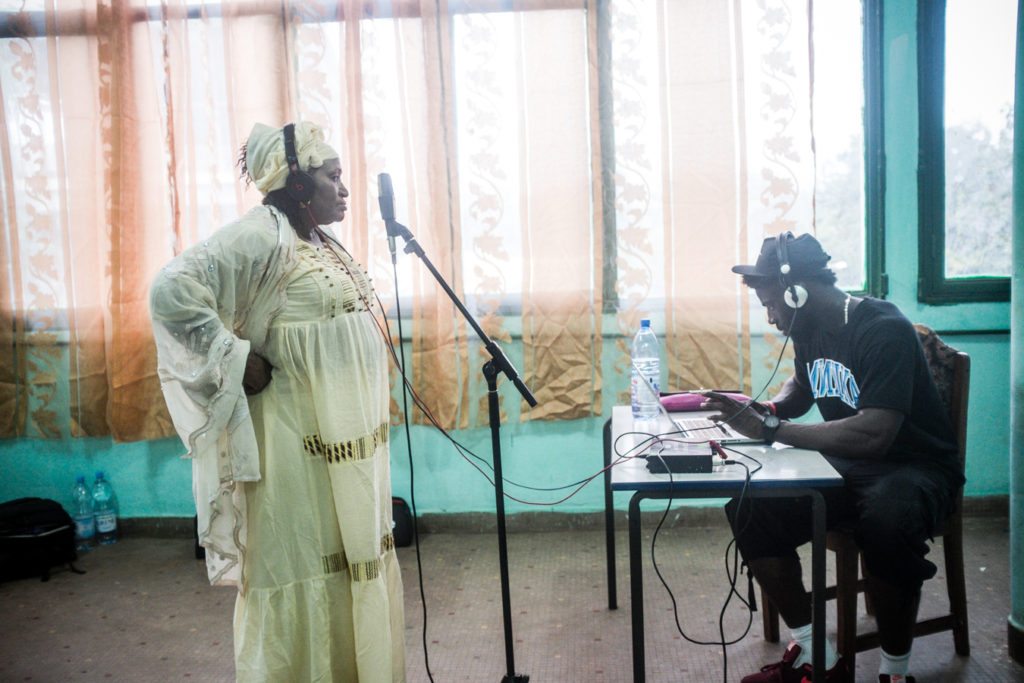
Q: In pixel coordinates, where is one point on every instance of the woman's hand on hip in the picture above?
(257, 374)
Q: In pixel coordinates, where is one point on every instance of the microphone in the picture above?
(386, 199)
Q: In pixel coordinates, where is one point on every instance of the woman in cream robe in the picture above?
(292, 484)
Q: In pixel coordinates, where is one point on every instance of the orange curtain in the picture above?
(569, 166)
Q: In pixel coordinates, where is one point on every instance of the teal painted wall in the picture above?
(152, 480)
(150, 477)
(988, 441)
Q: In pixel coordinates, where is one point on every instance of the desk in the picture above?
(786, 472)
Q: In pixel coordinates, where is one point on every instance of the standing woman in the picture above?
(275, 374)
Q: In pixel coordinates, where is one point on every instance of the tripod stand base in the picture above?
(515, 678)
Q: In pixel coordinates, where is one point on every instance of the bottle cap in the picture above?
(645, 322)
(80, 479)
(99, 474)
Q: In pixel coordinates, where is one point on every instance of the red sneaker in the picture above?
(785, 672)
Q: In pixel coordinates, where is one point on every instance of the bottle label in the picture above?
(642, 392)
(85, 527)
(106, 522)
(644, 398)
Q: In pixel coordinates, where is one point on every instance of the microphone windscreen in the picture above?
(386, 197)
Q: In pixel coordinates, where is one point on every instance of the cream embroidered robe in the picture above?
(292, 486)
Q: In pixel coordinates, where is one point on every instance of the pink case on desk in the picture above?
(681, 403)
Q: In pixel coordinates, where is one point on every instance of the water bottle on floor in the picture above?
(646, 362)
(105, 506)
(82, 512)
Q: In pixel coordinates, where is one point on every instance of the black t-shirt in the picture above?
(876, 361)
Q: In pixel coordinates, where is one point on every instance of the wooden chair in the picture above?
(951, 370)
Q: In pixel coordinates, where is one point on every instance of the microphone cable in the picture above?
(412, 471)
(466, 453)
(732, 566)
(733, 570)
(753, 400)
(771, 378)
(408, 389)
(399, 360)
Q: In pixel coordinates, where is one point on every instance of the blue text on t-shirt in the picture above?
(831, 379)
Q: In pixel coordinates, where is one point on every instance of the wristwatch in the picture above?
(769, 426)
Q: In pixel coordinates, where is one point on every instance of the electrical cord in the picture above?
(399, 360)
(753, 400)
(407, 390)
(771, 378)
(412, 476)
(467, 454)
(733, 571)
(464, 451)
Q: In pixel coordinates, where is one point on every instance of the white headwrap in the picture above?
(264, 153)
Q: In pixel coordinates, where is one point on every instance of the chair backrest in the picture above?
(951, 370)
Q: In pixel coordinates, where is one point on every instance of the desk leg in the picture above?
(818, 586)
(636, 588)
(609, 517)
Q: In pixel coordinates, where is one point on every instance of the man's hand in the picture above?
(257, 374)
(745, 419)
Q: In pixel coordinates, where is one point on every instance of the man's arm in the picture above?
(792, 401)
(868, 434)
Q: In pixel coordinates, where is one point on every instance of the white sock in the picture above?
(802, 636)
(894, 664)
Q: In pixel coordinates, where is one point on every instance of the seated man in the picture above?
(885, 431)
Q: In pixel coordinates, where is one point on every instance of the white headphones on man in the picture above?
(795, 295)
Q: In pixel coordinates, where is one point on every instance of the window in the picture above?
(966, 75)
(849, 154)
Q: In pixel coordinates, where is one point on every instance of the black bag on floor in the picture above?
(36, 534)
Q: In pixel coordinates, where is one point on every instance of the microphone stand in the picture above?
(498, 364)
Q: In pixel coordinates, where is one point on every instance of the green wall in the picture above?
(149, 477)
(153, 481)
(988, 444)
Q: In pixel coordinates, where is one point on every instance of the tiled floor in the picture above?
(145, 612)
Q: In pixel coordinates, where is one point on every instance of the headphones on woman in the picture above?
(299, 185)
(795, 295)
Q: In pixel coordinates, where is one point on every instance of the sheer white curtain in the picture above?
(569, 165)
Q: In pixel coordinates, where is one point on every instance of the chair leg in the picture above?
(769, 619)
(956, 586)
(846, 604)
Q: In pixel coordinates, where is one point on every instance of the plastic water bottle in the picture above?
(105, 507)
(646, 358)
(82, 512)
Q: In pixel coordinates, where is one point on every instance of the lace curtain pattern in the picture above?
(570, 166)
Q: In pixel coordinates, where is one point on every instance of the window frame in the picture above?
(933, 285)
(877, 280)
